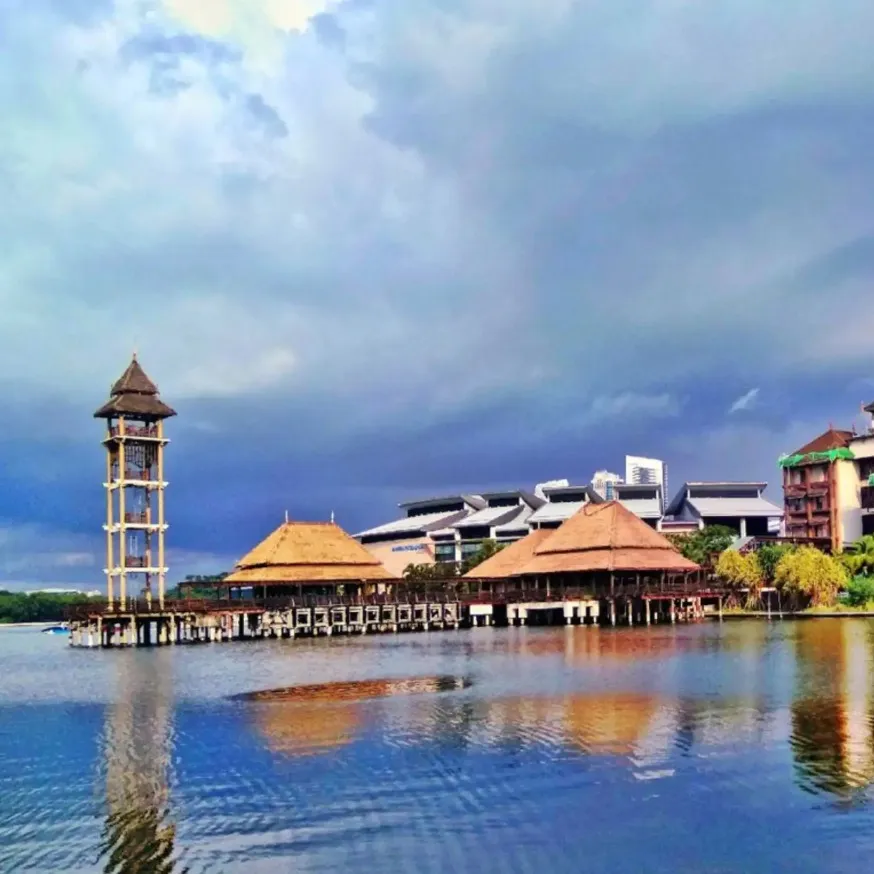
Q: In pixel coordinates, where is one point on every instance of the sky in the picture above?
(372, 251)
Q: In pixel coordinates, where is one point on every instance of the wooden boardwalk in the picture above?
(193, 620)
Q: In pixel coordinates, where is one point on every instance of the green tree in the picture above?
(743, 574)
(486, 550)
(769, 557)
(859, 558)
(706, 545)
(810, 577)
(37, 606)
(860, 592)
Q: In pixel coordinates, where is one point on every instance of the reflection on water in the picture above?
(484, 753)
(303, 720)
(139, 837)
(832, 715)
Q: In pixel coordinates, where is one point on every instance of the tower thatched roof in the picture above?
(307, 552)
(134, 394)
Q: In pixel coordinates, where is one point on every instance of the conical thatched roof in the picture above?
(302, 552)
(605, 537)
(134, 394)
(598, 537)
(508, 560)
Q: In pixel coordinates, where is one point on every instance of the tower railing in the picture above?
(134, 431)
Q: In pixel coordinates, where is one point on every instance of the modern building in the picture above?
(604, 483)
(828, 487)
(424, 535)
(505, 518)
(862, 448)
(737, 505)
(561, 503)
(645, 501)
(647, 471)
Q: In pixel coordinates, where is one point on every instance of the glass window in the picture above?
(469, 549)
(444, 552)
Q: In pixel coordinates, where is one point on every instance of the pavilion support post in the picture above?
(646, 607)
(673, 612)
(613, 612)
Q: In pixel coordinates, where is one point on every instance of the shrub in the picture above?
(860, 591)
(769, 557)
(741, 572)
(808, 576)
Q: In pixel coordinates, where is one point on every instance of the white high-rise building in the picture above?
(647, 471)
(603, 483)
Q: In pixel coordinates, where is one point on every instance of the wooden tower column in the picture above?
(134, 484)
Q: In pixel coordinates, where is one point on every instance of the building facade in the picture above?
(740, 506)
(826, 485)
(647, 471)
(604, 483)
(424, 535)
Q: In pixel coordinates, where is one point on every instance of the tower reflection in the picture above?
(138, 836)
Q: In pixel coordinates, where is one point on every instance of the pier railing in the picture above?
(141, 606)
(500, 593)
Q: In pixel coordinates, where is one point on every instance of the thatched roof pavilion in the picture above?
(299, 554)
(597, 539)
(606, 537)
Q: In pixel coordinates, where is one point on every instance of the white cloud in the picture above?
(745, 402)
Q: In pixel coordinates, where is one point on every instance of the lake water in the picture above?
(742, 747)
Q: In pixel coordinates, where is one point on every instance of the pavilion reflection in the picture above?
(314, 719)
(833, 708)
(608, 723)
(638, 644)
(138, 836)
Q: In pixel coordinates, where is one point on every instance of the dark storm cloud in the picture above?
(419, 247)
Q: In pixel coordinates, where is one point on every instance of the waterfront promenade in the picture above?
(486, 603)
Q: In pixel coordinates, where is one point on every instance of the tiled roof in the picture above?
(831, 439)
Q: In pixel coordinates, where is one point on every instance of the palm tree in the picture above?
(859, 558)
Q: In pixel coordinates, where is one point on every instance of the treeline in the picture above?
(36, 606)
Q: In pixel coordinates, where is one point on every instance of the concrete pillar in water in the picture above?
(646, 606)
(629, 607)
(612, 612)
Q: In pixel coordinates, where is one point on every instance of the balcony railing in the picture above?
(868, 497)
(140, 473)
(137, 518)
(135, 561)
(134, 431)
